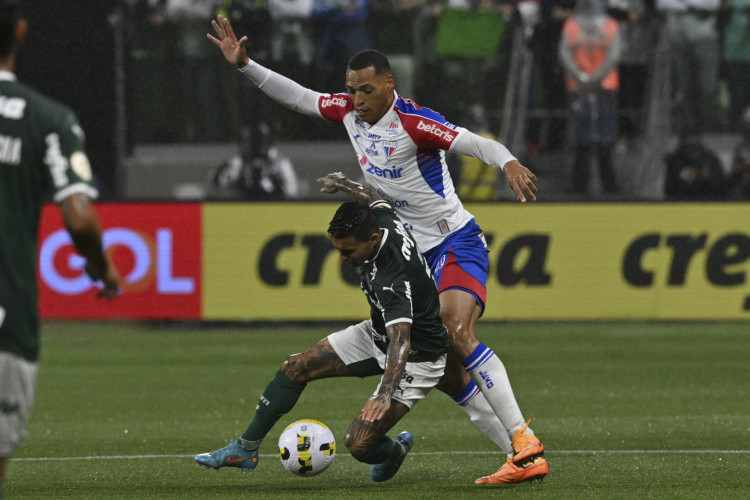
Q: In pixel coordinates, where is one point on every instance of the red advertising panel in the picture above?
(156, 248)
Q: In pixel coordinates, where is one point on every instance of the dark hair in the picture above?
(10, 13)
(353, 219)
(370, 57)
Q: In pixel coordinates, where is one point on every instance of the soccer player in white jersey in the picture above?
(401, 151)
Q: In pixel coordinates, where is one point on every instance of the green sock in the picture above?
(387, 449)
(277, 400)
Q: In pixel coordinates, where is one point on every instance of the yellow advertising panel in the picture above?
(268, 261)
(607, 261)
(273, 261)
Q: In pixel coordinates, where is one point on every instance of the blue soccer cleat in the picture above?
(232, 455)
(389, 468)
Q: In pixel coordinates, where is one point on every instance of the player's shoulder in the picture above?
(36, 98)
(408, 108)
(383, 210)
(335, 106)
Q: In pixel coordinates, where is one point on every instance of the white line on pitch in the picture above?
(551, 452)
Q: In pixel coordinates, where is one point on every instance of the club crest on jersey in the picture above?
(389, 147)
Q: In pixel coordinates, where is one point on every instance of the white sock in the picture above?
(489, 374)
(483, 416)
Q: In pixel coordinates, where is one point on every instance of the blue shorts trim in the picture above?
(465, 258)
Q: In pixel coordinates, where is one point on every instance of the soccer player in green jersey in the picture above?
(404, 340)
(41, 153)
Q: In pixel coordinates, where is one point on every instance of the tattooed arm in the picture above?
(399, 344)
(337, 181)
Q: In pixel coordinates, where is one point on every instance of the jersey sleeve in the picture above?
(66, 159)
(427, 128)
(335, 107)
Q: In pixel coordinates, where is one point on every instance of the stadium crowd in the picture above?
(708, 42)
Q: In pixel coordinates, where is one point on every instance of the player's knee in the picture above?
(358, 440)
(461, 337)
(292, 368)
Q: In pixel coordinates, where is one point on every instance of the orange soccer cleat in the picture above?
(525, 445)
(510, 473)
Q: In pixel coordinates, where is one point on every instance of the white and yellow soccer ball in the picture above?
(307, 447)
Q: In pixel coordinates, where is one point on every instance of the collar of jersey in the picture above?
(382, 243)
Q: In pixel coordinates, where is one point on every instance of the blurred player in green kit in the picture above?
(41, 154)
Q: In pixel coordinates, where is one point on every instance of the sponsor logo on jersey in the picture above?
(392, 129)
(327, 102)
(436, 130)
(368, 135)
(386, 173)
(394, 203)
(389, 147)
(372, 150)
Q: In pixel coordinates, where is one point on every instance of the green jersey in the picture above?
(400, 289)
(41, 154)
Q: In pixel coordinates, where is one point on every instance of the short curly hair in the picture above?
(353, 219)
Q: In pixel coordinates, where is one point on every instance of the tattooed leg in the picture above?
(367, 441)
(281, 394)
(315, 362)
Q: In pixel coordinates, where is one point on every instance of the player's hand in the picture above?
(331, 182)
(105, 272)
(521, 180)
(374, 410)
(234, 50)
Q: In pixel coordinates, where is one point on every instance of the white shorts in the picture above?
(17, 380)
(356, 348)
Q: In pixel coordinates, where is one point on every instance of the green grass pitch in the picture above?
(625, 410)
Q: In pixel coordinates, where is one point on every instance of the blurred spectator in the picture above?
(639, 28)
(340, 32)
(694, 173)
(547, 90)
(691, 28)
(139, 21)
(740, 185)
(589, 51)
(291, 38)
(736, 56)
(196, 100)
(477, 180)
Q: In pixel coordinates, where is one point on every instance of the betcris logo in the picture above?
(436, 130)
(327, 102)
(386, 173)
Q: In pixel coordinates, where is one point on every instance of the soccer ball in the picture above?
(307, 447)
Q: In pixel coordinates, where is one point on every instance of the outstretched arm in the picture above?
(399, 343)
(337, 181)
(278, 87)
(85, 231)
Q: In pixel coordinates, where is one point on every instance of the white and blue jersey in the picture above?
(402, 157)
